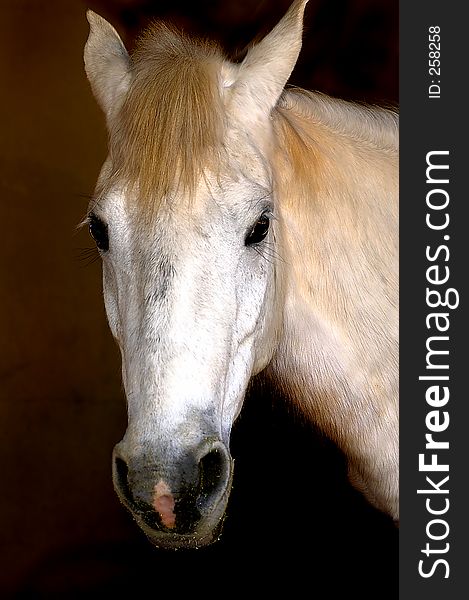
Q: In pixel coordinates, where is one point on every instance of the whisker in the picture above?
(85, 196)
(264, 256)
(87, 256)
(271, 251)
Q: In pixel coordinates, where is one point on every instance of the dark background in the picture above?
(294, 525)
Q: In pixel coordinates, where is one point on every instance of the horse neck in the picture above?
(336, 195)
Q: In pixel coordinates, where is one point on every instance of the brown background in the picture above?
(293, 522)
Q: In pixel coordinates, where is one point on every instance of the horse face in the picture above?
(191, 293)
(190, 299)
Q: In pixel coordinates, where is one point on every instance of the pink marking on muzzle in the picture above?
(163, 503)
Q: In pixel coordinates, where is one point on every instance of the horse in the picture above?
(245, 228)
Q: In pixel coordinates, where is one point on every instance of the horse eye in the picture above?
(98, 231)
(259, 231)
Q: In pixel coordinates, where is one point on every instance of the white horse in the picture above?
(242, 228)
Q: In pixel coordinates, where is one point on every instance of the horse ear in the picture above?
(107, 64)
(268, 65)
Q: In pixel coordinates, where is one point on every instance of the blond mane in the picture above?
(171, 123)
(373, 126)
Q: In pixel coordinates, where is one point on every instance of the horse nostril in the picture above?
(212, 468)
(196, 502)
(121, 472)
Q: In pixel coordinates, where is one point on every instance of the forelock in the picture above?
(170, 127)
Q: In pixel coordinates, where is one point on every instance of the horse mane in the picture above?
(327, 145)
(315, 128)
(375, 126)
(171, 121)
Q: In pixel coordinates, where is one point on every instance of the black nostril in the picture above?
(121, 472)
(212, 468)
(211, 473)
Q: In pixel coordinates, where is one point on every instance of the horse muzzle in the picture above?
(178, 503)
